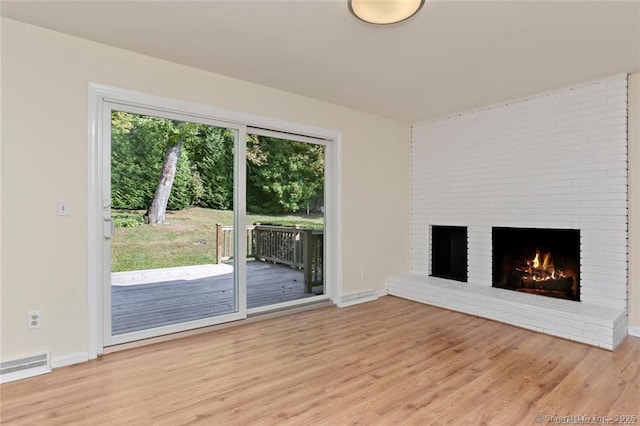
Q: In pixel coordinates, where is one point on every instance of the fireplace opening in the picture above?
(538, 261)
(449, 252)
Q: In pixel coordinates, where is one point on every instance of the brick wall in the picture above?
(556, 160)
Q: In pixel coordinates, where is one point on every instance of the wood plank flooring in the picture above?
(391, 361)
(145, 306)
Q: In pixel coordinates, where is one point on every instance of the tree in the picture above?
(211, 154)
(138, 146)
(283, 176)
(158, 207)
(135, 155)
(160, 164)
(177, 132)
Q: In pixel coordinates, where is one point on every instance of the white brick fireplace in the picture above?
(556, 160)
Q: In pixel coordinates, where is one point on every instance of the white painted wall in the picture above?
(44, 151)
(556, 160)
(634, 204)
(1, 144)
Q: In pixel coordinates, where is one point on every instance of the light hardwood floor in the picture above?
(391, 361)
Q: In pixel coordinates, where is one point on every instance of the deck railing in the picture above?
(297, 247)
(224, 242)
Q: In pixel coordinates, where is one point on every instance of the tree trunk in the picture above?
(156, 211)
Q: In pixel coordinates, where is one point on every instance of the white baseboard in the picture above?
(634, 331)
(381, 293)
(357, 298)
(63, 361)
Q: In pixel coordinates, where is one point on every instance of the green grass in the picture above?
(188, 237)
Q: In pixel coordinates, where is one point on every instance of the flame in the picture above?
(543, 270)
(540, 268)
(538, 274)
(536, 260)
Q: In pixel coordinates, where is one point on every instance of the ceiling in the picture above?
(452, 56)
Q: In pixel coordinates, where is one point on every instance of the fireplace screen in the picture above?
(537, 261)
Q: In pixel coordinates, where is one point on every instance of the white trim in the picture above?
(634, 331)
(194, 332)
(239, 220)
(145, 100)
(289, 304)
(170, 114)
(381, 293)
(63, 361)
(99, 94)
(333, 191)
(286, 135)
(105, 211)
(94, 164)
(171, 329)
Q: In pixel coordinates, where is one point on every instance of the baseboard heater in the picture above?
(356, 298)
(24, 367)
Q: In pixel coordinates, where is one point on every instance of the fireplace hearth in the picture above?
(537, 261)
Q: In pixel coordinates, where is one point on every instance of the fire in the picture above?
(536, 260)
(542, 270)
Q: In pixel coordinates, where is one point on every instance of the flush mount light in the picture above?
(384, 12)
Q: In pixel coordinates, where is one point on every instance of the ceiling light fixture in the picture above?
(384, 12)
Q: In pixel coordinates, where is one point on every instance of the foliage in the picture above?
(127, 219)
(138, 144)
(283, 176)
(212, 154)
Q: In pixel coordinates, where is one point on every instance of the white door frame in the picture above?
(98, 97)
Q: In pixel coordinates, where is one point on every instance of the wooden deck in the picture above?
(144, 306)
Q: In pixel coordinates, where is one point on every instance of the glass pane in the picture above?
(285, 220)
(172, 206)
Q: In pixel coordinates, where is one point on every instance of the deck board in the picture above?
(144, 306)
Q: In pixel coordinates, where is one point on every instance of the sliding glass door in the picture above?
(285, 219)
(170, 181)
(197, 217)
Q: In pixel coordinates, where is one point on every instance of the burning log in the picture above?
(552, 293)
(564, 284)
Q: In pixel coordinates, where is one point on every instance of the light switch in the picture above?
(64, 208)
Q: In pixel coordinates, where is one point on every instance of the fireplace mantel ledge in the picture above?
(596, 325)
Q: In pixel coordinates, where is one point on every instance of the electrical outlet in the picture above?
(34, 320)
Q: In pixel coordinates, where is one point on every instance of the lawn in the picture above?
(188, 237)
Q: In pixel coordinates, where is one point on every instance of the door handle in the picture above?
(109, 228)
